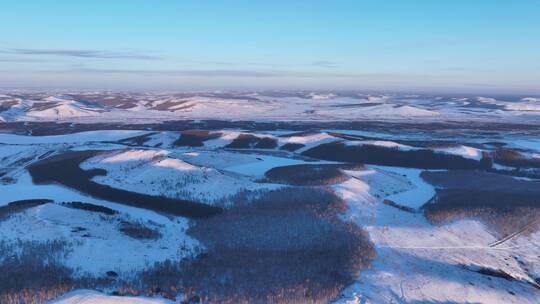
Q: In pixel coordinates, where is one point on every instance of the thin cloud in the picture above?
(230, 73)
(325, 64)
(320, 64)
(195, 73)
(101, 54)
(104, 54)
(20, 60)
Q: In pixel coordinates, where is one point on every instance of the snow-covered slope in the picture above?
(97, 244)
(308, 140)
(157, 172)
(58, 108)
(421, 263)
(49, 108)
(461, 150)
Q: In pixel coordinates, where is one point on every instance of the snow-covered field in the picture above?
(417, 261)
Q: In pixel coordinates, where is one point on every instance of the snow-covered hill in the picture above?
(158, 172)
(284, 106)
(419, 262)
(48, 108)
(109, 243)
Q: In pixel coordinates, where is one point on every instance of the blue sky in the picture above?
(424, 45)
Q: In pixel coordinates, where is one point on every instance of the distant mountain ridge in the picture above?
(271, 106)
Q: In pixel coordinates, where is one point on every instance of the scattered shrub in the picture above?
(310, 174)
(371, 154)
(243, 141)
(476, 180)
(138, 230)
(266, 143)
(504, 213)
(291, 147)
(19, 206)
(497, 273)
(533, 173)
(33, 272)
(286, 246)
(195, 138)
(90, 207)
(248, 141)
(503, 203)
(138, 140)
(391, 203)
(513, 158)
(65, 169)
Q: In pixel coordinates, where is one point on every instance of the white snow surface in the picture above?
(158, 172)
(315, 139)
(63, 109)
(83, 296)
(523, 107)
(263, 163)
(100, 247)
(380, 143)
(420, 263)
(416, 261)
(461, 150)
(312, 106)
(417, 195)
(81, 137)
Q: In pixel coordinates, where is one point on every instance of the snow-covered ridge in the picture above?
(461, 150)
(63, 109)
(380, 143)
(458, 150)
